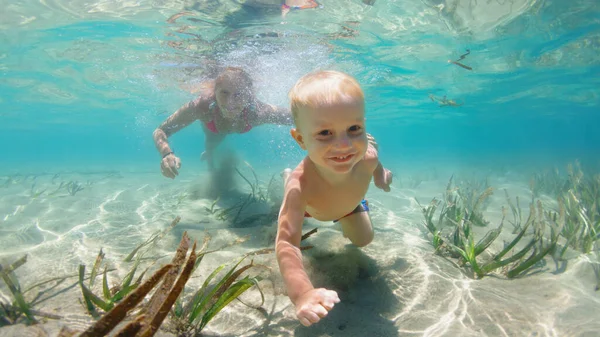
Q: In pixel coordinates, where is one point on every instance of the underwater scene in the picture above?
(143, 181)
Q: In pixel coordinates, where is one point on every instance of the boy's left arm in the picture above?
(271, 114)
(382, 177)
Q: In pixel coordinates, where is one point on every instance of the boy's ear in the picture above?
(298, 138)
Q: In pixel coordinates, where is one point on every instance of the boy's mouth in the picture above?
(342, 159)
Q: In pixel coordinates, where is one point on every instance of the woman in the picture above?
(224, 105)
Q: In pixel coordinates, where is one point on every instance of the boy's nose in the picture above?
(344, 142)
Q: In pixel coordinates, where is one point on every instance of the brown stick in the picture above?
(305, 236)
(168, 303)
(118, 313)
(132, 328)
(161, 294)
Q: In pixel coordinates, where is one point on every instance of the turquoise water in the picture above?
(84, 84)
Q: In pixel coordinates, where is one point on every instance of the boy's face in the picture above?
(232, 98)
(335, 137)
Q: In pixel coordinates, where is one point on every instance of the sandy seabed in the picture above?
(395, 286)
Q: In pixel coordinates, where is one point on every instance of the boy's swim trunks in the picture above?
(362, 207)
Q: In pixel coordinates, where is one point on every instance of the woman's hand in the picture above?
(170, 165)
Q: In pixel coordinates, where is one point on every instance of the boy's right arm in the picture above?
(311, 304)
(289, 234)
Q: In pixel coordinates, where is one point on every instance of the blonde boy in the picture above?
(330, 183)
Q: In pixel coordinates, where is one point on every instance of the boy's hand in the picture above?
(372, 141)
(383, 181)
(169, 166)
(315, 304)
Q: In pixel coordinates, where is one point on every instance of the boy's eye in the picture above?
(324, 133)
(354, 128)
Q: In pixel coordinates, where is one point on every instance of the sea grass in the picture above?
(94, 272)
(12, 282)
(488, 239)
(532, 260)
(229, 295)
(161, 294)
(161, 314)
(118, 313)
(153, 239)
(133, 327)
(13, 266)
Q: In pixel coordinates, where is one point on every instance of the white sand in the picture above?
(394, 287)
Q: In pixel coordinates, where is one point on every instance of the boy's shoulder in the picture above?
(371, 157)
(301, 174)
(296, 181)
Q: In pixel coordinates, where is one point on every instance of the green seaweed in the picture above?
(20, 305)
(430, 225)
(73, 187)
(211, 210)
(596, 265)
(35, 193)
(95, 268)
(535, 257)
(548, 182)
(457, 219)
(153, 239)
(581, 207)
(217, 291)
(257, 195)
(109, 297)
(113, 317)
(516, 212)
(209, 300)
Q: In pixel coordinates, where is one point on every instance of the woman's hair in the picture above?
(323, 89)
(234, 75)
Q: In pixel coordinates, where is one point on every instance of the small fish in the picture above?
(174, 17)
(460, 65)
(462, 57)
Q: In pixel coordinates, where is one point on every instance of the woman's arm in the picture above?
(271, 114)
(181, 118)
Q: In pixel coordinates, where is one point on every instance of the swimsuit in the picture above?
(211, 124)
(311, 4)
(362, 207)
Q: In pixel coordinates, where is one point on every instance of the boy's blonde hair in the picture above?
(323, 89)
(235, 75)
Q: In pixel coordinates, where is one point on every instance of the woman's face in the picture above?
(232, 98)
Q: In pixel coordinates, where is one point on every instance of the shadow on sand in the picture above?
(366, 298)
(240, 199)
